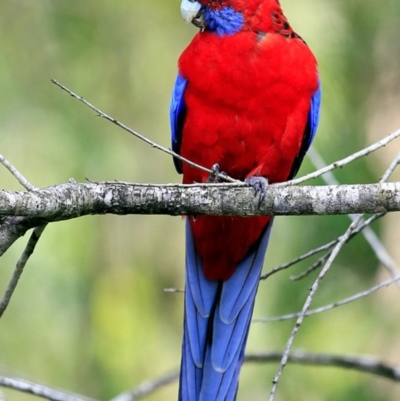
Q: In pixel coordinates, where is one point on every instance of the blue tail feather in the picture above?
(203, 292)
(199, 299)
(216, 324)
(191, 375)
(228, 338)
(245, 279)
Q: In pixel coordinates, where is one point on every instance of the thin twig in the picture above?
(338, 164)
(235, 184)
(306, 306)
(391, 169)
(359, 364)
(368, 233)
(20, 178)
(379, 249)
(350, 231)
(325, 308)
(321, 248)
(147, 387)
(341, 163)
(30, 247)
(39, 390)
(299, 259)
(312, 268)
(19, 269)
(174, 290)
(139, 136)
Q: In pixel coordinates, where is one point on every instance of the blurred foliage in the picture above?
(90, 314)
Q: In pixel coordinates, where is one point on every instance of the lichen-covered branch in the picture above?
(23, 210)
(67, 201)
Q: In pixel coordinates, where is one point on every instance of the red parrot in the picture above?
(247, 98)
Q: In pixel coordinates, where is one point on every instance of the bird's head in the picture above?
(226, 17)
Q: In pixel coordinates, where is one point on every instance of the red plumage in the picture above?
(247, 98)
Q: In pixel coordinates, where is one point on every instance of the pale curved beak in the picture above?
(190, 10)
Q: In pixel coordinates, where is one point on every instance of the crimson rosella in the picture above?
(247, 98)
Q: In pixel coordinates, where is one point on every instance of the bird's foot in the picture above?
(260, 185)
(215, 175)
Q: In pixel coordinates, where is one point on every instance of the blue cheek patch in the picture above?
(223, 22)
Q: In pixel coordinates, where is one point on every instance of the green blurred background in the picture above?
(90, 314)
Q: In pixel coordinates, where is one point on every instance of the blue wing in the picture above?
(216, 324)
(313, 116)
(177, 115)
(310, 131)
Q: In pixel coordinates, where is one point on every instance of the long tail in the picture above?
(216, 324)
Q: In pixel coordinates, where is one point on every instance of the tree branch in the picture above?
(14, 227)
(19, 269)
(10, 237)
(338, 164)
(370, 236)
(20, 211)
(67, 201)
(39, 390)
(147, 387)
(360, 364)
(334, 305)
(332, 256)
(135, 133)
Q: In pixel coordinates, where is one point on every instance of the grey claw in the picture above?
(260, 185)
(215, 175)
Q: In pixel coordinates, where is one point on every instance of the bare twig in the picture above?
(306, 307)
(378, 145)
(312, 268)
(380, 251)
(321, 248)
(30, 247)
(174, 290)
(147, 387)
(299, 259)
(368, 233)
(357, 220)
(19, 269)
(20, 178)
(341, 163)
(359, 364)
(39, 390)
(390, 170)
(137, 135)
(325, 308)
